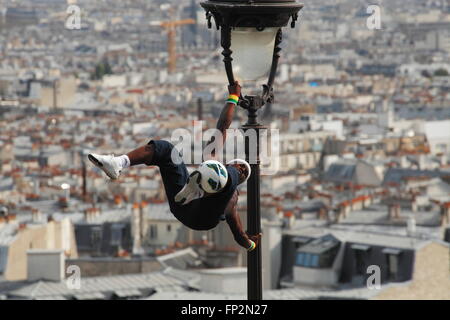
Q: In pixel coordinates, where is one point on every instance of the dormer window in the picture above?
(361, 257)
(392, 261)
(319, 253)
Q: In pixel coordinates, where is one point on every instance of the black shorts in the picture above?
(173, 174)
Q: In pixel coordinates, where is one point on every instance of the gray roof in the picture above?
(423, 233)
(311, 205)
(195, 296)
(278, 294)
(320, 245)
(355, 171)
(100, 287)
(45, 207)
(378, 214)
(396, 175)
(306, 294)
(361, 237)
(181, 259)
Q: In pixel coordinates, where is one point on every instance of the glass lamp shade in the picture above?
(252, 52)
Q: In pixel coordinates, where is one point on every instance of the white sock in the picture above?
(123, 161)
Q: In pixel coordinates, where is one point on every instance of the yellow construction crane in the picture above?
(171, 26)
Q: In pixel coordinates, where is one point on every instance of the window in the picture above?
(116, 234)
(315, 260)
(300, 259)
(153, 231)
(360, 252)
(307, 260)
(96, 236)
(169, 227)
(392, 261)
(392, 266)
(318, 253)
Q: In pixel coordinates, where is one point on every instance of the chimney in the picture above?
(45, 265)
(36, 216)
(411, 226)
(368, 201)
(90, 214)
(94, 199)
(36, 187)
(341, 213)
(291, 221)
(272, 212)
(414, 205)
(118, 201)
(136, 219)
(394, 211)
(96, 211)
(87, 215)
(323, 213)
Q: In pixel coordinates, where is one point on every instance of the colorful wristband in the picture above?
(252, 246)
(232, 98)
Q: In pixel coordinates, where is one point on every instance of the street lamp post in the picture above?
(250, 37)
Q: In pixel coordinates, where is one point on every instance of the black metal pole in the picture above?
(254, 272)
(254, 265)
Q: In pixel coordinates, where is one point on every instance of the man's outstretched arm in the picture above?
(234, 222)
(225, 119)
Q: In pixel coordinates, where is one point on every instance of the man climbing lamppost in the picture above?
(251, 36)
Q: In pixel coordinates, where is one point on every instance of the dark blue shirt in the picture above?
(204, 213)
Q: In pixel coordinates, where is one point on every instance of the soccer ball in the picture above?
(214, 176)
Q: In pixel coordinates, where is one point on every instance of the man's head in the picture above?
(243, 168)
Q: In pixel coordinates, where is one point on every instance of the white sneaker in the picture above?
(191, 190)
(107, 164)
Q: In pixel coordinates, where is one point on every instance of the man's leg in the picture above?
(113, 166)
(141, 155)
(173, 171)
(180, 189)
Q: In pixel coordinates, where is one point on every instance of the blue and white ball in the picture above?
(214, 176)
